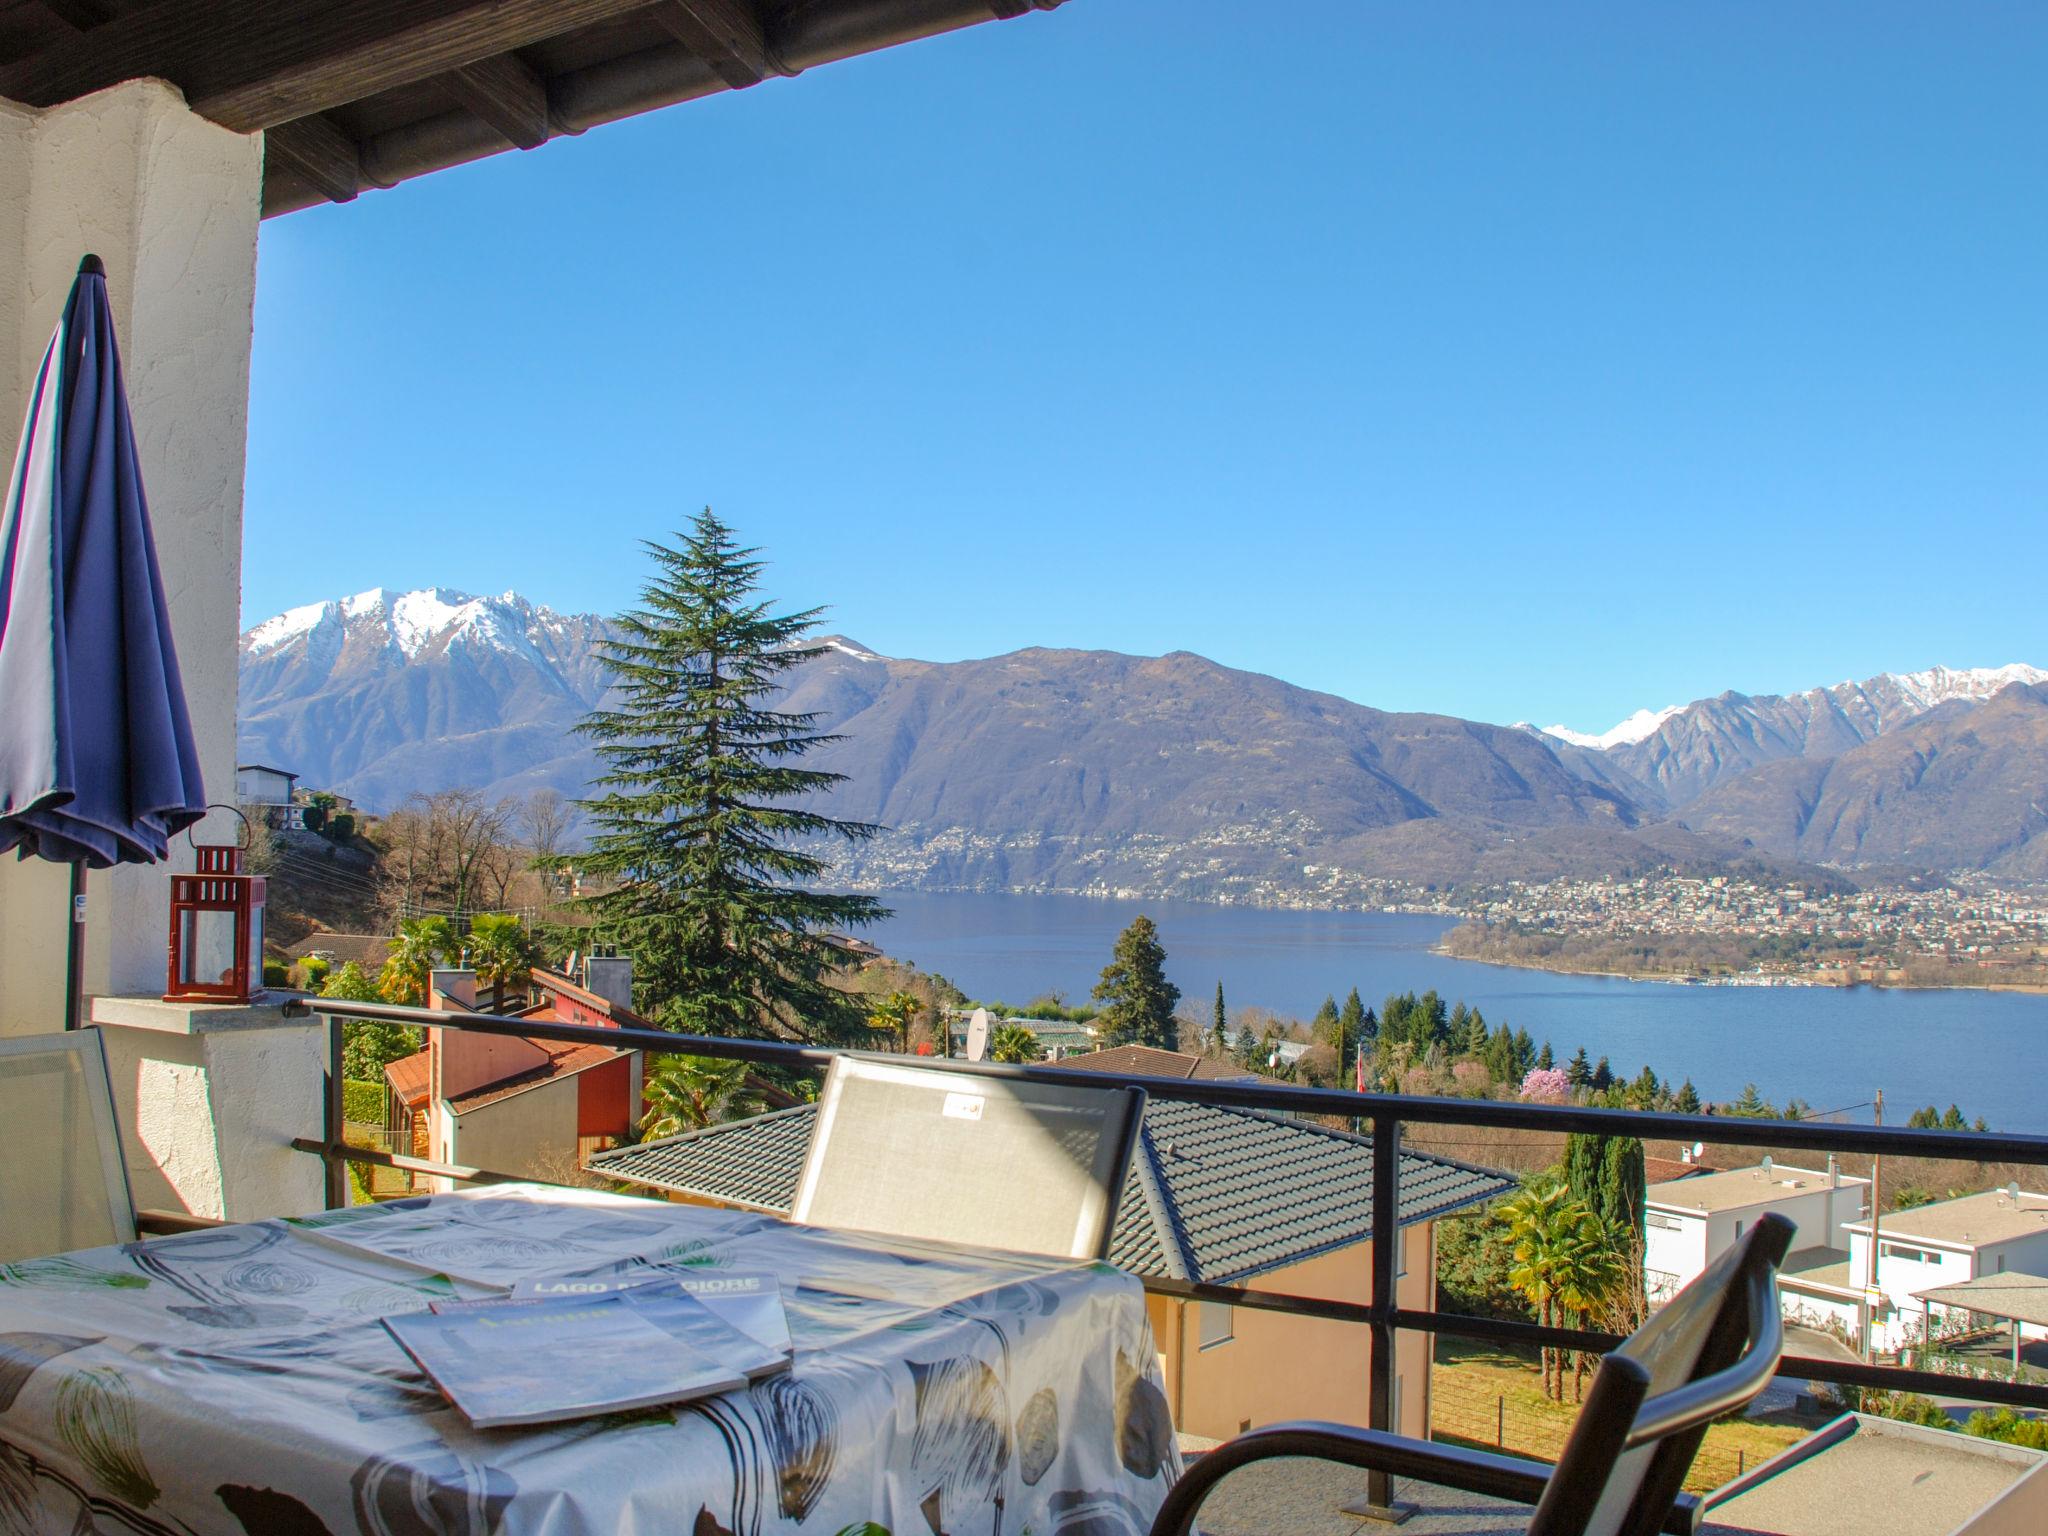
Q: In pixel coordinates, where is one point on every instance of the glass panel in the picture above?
(255, 949)
(53, 1185)
(206, 945)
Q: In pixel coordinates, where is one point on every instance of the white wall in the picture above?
(170, 202)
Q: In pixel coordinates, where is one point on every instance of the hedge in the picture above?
(362, 1103)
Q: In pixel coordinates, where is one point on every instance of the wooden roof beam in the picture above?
(726, 34)
(252, 64)
(319, 154)
(506, 93)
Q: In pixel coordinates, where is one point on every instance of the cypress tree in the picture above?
(1138, 1001)
(1221, 1029)
(698, 817)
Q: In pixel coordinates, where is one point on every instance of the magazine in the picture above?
(748, 1301)
(511, 1362)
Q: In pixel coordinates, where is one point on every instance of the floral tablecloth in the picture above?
(238, 1380)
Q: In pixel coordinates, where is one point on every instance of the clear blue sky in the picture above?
(1513, 361)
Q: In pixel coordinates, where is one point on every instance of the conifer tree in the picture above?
(1351, 1027)
(1580, 1071)
(1603, 1077)
(698, 817)
(1138, 1001)
(1220, 1034)
(1323, 1027)
(1247, 1048)
(1688, 1100)
(1546, 1059)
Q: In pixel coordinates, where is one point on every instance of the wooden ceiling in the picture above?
(353, 94)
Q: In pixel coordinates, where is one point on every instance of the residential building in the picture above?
(517, 1105)
(266, 793)
(1689, 1222)
(1994, 1232)
(1223, 1196)
(1149, 1061)
(1060, 1038)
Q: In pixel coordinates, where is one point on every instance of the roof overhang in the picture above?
(375, 92)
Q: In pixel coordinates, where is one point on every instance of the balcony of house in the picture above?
(1247, 1226)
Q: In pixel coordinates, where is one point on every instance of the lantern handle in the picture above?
(233, 810)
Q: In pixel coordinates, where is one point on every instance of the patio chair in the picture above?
(1708, 1352)
(63, 1184)
(996, 1162)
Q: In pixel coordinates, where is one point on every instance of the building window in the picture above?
(1661, 1222)
(1738, 1229)
(1215, 1322)
(1910, 1255)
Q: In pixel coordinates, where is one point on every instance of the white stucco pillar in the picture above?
(170, 202)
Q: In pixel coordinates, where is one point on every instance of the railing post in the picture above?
(1386, 1273)
(337, 1121)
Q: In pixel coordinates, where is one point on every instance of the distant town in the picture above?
(1735, 931)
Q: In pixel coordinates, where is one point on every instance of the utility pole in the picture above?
(1870, 1290)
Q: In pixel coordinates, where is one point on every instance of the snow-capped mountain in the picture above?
(387, 692)
(1632, 730)
(1674, 755)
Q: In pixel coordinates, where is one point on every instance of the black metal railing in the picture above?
(1388, 1113)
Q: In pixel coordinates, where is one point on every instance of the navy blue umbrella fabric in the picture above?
(97, 762)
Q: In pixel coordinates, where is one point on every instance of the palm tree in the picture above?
(1014, 1043)
(1593, 1278)
(422, 943)
(894, 1015)
(688, 1093)
(1546, 1222)
(500, 952)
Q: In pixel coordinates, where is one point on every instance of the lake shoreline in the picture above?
(1556, 967)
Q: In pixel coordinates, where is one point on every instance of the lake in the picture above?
(1830, 1046)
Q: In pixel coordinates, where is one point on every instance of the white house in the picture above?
(1689, 1222)
(1991, 1233)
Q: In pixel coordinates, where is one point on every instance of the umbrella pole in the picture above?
(74, 978)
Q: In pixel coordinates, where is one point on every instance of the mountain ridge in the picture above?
(1056, 768)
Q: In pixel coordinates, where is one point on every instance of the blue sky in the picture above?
(1511, 361)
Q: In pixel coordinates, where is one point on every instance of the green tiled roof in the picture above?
(1214, 1194)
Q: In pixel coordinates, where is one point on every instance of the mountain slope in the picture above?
(1962, 786)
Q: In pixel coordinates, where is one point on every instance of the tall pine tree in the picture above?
(1138, 1001)
(1219, 1034)
(1351, 1027)
(698, 817)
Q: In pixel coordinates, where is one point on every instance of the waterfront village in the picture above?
(1735, 931)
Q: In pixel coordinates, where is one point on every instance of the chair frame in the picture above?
(1619, 1415)
(90, 1048)
(1101, 1222)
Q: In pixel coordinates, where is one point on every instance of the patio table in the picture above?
(239, 1380)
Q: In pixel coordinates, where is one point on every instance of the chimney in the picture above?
(611, 978)
(459, 986)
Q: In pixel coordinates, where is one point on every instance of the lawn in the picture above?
(1482, 1395)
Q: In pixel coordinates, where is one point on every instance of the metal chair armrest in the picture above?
(1501, 1477)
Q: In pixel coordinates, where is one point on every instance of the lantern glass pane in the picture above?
(255, 949)
(207, 947)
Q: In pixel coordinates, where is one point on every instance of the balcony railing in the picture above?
(1388, 1114)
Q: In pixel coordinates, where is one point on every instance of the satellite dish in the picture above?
(2012, 1192)
(1767, 1166)
(1699, 1150)
(977, 1035)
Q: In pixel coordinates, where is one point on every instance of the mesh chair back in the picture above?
(62, 1182)
(1607, 1486)
(995, 1162)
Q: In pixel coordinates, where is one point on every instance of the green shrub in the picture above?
(341, 826)
(313, 972)
(362, 1103)
(276, 974)
(2013, 1428)
(313, 817)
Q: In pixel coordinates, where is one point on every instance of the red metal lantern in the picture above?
(216, 930)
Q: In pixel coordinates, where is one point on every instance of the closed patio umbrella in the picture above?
(97, 762)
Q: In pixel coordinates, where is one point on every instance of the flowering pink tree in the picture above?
(1472, 1078)
(1547, 1085)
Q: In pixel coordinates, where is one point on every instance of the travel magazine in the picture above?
(578, 1346)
